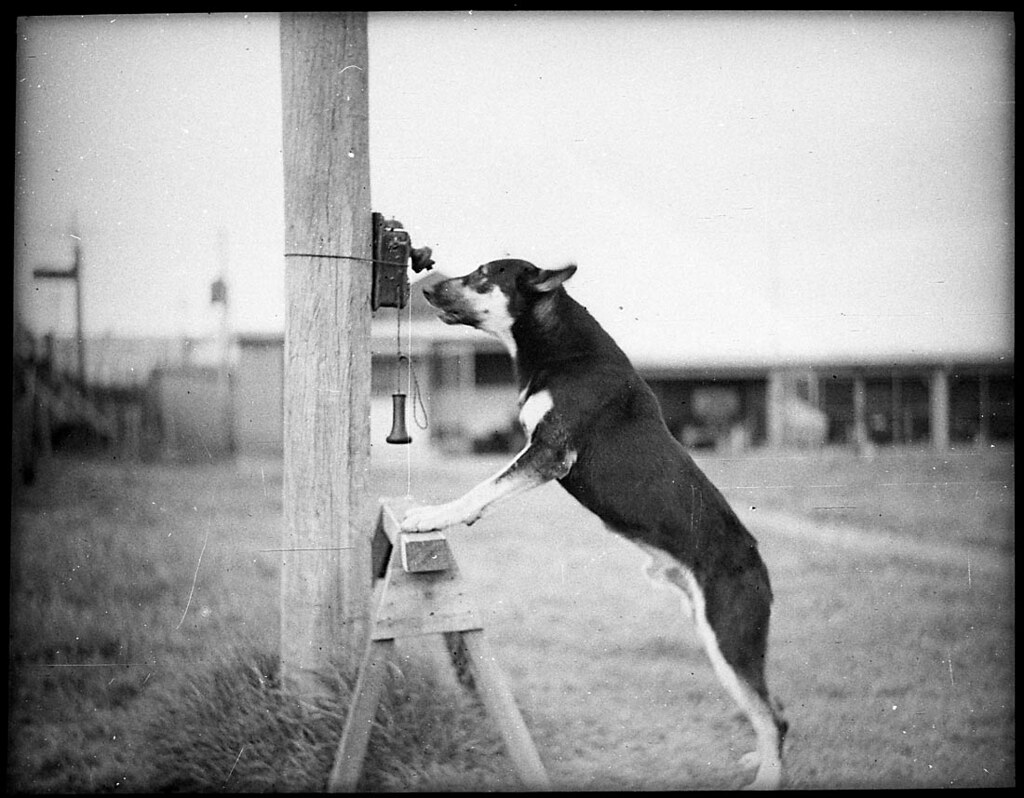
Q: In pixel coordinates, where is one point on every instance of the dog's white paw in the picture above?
(436, 516)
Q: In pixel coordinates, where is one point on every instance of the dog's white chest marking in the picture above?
(534, 409)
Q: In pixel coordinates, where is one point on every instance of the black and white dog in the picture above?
(594, 425)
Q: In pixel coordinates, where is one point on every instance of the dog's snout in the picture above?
(439, 294)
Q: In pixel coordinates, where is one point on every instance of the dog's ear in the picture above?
(544, 280)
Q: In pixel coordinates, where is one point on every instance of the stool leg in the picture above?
(497, 698)
(348, 761)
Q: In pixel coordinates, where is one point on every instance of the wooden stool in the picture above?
(418, 591)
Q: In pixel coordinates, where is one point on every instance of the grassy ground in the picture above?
(144, 621)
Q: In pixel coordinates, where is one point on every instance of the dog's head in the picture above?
(493, 296)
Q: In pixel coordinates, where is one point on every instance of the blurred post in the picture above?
(79, 327)
(860, 415)
(219, 296)
(938, 401)
(984, 411)
(325, 576)
(775, 410)
(73, 273)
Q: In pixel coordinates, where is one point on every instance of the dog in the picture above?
(593, 424)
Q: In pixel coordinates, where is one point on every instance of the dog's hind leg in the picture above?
(734, 632)
(664, 571)
(732, 623)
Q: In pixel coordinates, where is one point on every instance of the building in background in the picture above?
(257, 395)
(468, 390)
(466, 384)
(190, 408)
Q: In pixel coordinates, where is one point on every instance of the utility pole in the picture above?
(326, 573)
(219, 296)
(73, 273)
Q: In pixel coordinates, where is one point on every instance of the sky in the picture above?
(734, 186)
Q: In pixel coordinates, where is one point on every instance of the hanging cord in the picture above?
(415, 393)
(399, 357)
(398, 350)
(413, 389)
(408, 305)
(418, 407)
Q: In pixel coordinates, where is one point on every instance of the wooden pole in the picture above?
(325, 575)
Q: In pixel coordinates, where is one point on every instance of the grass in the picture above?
(144, 626)
(234, 728)
(144, 629)
(962, 496)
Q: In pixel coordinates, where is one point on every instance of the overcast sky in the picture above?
(734, 186)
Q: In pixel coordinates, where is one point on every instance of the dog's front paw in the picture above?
(437, 516)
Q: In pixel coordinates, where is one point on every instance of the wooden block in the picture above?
(423, 552)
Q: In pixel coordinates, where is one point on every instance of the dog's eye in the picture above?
(475, 280)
